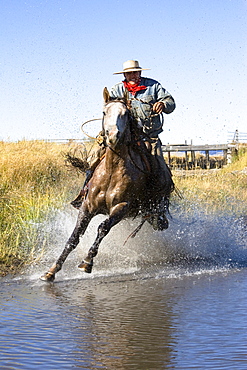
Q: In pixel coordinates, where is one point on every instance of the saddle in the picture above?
(160, 176)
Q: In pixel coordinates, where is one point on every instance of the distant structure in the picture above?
(238, 137)
(188, 157)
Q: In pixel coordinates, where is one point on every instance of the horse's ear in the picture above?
(126, 96)
(106, 95)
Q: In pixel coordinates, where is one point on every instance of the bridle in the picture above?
(135, 137)
(128, 120)
(132, 123)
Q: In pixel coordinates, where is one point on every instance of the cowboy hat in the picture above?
(131, 66)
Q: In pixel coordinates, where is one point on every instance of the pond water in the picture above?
(166, 300)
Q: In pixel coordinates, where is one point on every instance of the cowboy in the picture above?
(148, 100)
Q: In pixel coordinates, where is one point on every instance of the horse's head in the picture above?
(115, 120)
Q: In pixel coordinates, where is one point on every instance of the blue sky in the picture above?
(57, 56)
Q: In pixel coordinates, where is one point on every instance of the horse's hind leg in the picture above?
(81, 226)
(103, 229)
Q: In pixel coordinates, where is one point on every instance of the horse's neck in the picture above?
(114, 157)
(116, 154)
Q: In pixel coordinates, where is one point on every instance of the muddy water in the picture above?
(173, 300)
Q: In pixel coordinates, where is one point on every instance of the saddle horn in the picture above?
(126, 98)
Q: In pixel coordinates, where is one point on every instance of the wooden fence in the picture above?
(198, 156)
(183, 156)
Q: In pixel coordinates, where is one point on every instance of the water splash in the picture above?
(197, 242)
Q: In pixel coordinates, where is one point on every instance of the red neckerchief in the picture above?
(133, 88)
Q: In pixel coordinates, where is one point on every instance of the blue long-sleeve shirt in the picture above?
(142, 102)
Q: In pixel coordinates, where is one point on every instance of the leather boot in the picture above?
(77, 202)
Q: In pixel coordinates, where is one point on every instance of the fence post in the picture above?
(207, 159)
(186, 160)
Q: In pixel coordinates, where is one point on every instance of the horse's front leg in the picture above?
(82, 222)
(117, 214)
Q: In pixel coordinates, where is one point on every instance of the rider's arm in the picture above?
(165, 97)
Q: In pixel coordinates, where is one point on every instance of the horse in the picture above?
(120, 187)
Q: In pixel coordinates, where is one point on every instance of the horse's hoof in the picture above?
(163, 223)
(86, 266)
(160, 223)
(48, 276)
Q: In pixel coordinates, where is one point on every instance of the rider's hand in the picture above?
(100, 139)
(158, 107)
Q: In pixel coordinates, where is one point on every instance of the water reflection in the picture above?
(128, 324)
(179, 320)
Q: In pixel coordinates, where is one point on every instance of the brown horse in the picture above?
(120, 187)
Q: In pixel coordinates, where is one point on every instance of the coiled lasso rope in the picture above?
(91, 120)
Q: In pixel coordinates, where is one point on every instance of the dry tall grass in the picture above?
(34, 181)
(215, 190)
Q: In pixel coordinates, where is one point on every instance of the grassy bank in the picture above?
(215, 190)
(34, 183)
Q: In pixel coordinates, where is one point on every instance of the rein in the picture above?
(136, 165)
(134, 141)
